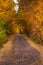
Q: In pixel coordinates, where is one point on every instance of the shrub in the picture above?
(3, 36)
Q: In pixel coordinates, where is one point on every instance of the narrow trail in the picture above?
(19, 52)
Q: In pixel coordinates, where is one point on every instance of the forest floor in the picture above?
(19, 46)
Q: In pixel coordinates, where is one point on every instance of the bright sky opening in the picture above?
(16, 8)
(16, 1)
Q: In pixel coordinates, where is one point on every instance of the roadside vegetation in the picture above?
(28, 20)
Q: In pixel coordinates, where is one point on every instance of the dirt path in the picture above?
(19, 52)
(38, 47)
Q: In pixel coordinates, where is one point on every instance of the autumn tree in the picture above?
(6, 9)
(32, 11)
(6, 16)
(29, 18)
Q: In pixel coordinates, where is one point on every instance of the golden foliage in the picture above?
(6, 9)
(29, 10)
(33, 12)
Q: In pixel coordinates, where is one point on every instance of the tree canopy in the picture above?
(29, 19)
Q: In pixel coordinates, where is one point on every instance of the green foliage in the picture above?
(35, 39)
(3, 36)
